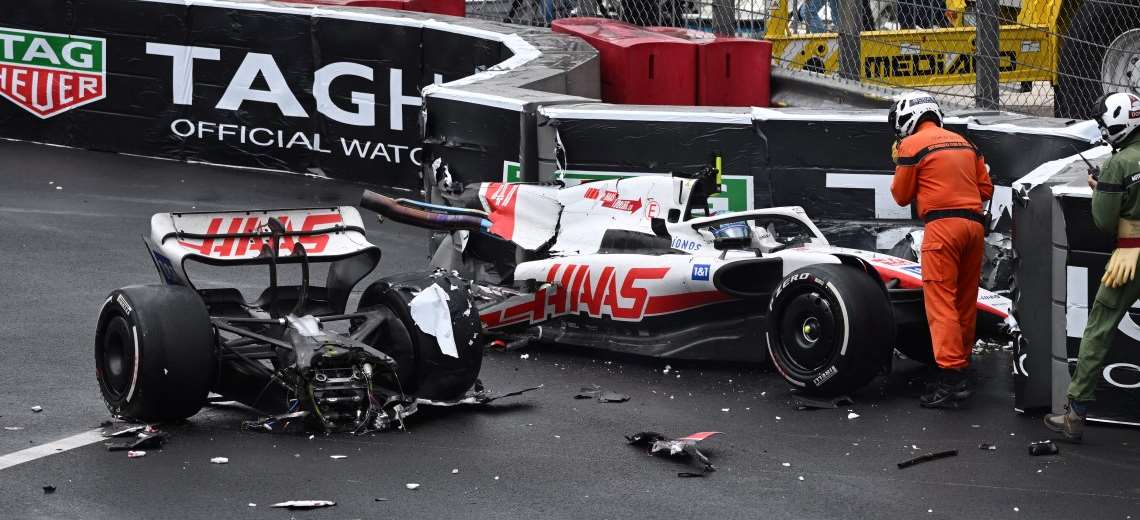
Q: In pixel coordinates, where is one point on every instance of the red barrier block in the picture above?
(448, 7)
(731, 72)
(638, 66)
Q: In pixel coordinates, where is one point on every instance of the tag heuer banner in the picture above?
(47, 73)
(315, 91)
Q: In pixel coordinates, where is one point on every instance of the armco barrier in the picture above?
(731, 72)
(1061, 257)
(638, 66)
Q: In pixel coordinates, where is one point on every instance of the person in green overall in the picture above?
(1115, 209)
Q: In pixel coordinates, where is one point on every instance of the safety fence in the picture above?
(1042, 57)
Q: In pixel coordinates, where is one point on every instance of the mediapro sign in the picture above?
(49, 73)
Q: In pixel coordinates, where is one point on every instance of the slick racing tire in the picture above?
(1100, 53)
(154, 352)
(830, 329)
(423, 369)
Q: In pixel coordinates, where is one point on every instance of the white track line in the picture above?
(38, 452)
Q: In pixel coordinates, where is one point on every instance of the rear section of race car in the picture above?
(295, 349)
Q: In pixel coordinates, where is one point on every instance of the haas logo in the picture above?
(241, 247)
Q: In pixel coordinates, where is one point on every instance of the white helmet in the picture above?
(1118, 116)
(908, 111)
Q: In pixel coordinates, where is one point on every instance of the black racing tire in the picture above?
(155, 353)
(1093, 28)
(424, 371)
(830, 329)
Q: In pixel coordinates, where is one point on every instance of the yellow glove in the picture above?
(1121, 267)
(895, 152)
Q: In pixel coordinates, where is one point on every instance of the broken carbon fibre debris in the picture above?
(601, 395)
(927, 458)
(147, 439)
(304, 504)
(275, 422)
(682, 447)
(801, 402)
(1040, 448)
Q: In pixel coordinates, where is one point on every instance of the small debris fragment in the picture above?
(135, 454)
(338, 457)
(49, 489)
(379, 499)
(304, 504)
(801, 477)
(221, 460)
(37, 408)
(777, 417)
(986, 446)
(612, 397)
(411, 485)
(786, 464)
(724, 410)
(852, 415)
(689, 474)
(496, 477)
(124, 432)
(251, 504)
(524, 356)
(927, 458)
(682, 447)
(1043, 448)
(13, 428)
(806, 403)
(455, 471)
(147, 439)
(1015, 509)
(667, 369)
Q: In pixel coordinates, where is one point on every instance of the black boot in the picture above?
(952, 389)
(1071, 423)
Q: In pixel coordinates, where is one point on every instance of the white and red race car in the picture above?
(637, 265)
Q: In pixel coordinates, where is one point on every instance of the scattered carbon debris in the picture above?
(1040, 448)
(135, 454)
(49, 489)
(689, 474)
(37, 409)
(126, 431)
(147, 439)
(852, 415)
(927, 458)
(412, 485)
(275, 422)
(13, 428)
(338, 457)
(601, 395)
(304, 504)
(379, 499)
(801, 403)
(682, 447)
(987, 446)
(220, 460)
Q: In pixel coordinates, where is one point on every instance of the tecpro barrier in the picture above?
(1061, 258)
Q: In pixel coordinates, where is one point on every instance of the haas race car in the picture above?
(295, 351)
(640, 265)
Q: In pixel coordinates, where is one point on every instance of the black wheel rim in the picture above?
(117, 358)
(808, 331)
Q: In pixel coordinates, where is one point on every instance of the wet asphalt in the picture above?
(70, 227)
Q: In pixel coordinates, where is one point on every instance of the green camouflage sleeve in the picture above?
(1107, 197)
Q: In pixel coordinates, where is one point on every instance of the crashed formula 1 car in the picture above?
(639, 265)
(161, 349)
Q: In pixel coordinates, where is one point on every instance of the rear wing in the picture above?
(242, 238)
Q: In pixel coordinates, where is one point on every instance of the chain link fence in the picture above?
(1042, 57)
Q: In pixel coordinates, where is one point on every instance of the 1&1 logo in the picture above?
(49, 73)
